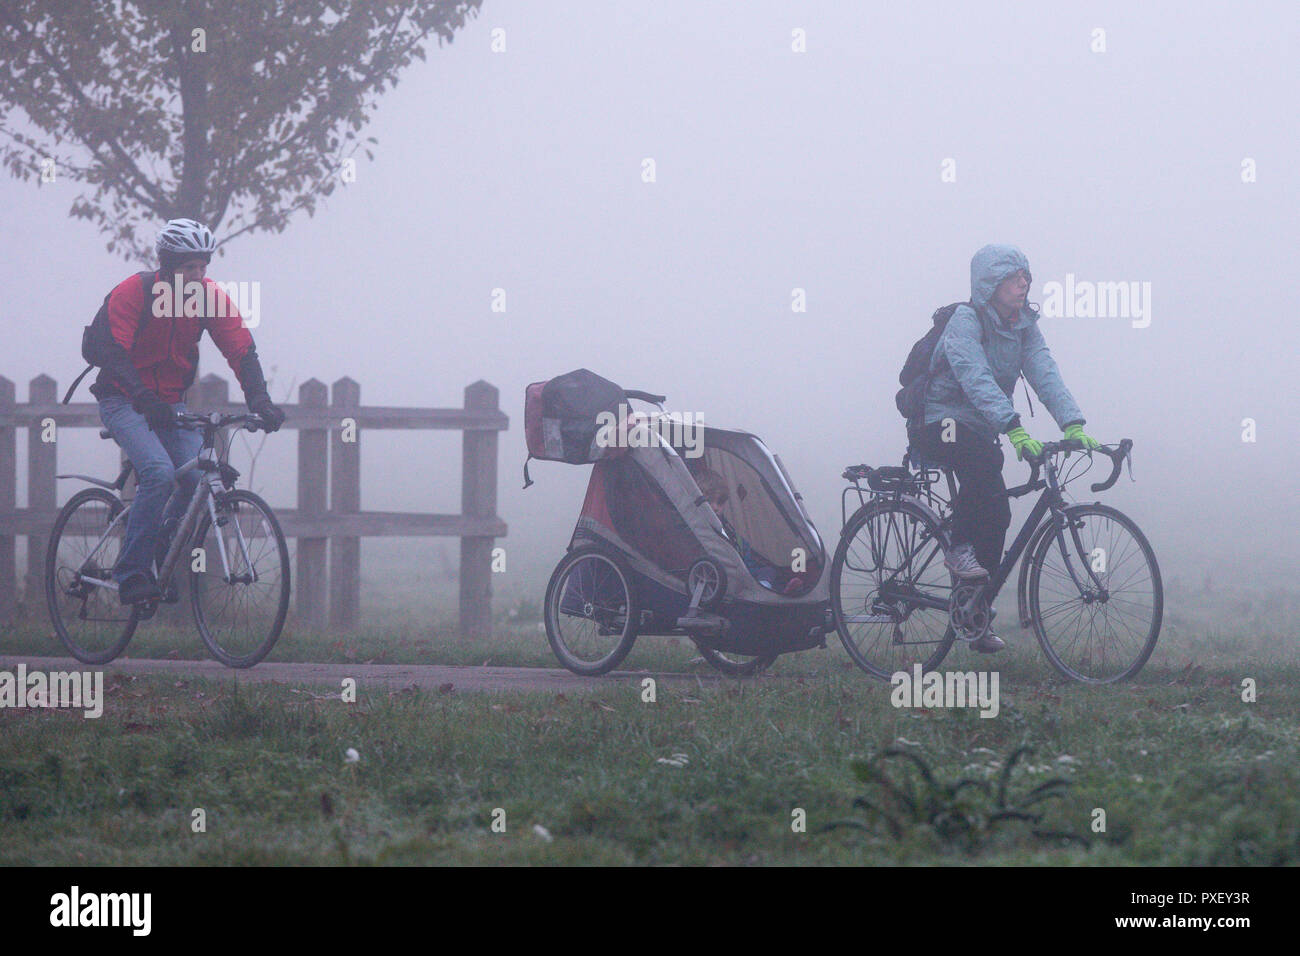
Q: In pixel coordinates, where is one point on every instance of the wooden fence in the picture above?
(328, 522)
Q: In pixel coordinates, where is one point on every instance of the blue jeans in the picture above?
(156, 456)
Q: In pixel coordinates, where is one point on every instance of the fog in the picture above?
(777, 170)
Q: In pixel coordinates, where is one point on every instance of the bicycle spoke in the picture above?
(589, 618)
(886, 555)
(85, 544)
(240, 602)
(1103, 629)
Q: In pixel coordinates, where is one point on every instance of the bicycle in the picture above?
(237, 554)
(1096, 609)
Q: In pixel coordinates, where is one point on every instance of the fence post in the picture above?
(313, 464)
(345, 498)
(8, 503)
(42, 463)
(478, 499)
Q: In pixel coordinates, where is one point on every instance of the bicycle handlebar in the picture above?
(1066, 445)
(190, 420)
(1117, 457)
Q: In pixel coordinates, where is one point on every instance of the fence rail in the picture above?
(328, 521)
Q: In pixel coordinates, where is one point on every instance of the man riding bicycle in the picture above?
(985, 347)
(141, 388)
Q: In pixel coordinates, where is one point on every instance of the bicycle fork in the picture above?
(206, 497)
(1089, 594)
(1090, 590)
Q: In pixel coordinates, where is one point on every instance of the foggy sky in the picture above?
(775, 170)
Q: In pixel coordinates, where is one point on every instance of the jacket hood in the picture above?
(990, 266)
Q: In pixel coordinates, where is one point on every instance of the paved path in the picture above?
(437, 677)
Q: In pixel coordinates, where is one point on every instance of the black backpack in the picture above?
(562, 416)
(915, 376)
(97, 337)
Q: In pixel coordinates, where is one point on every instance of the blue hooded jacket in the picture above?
(977, 360)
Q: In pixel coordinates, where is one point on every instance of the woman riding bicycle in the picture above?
(986, 346)
(141, 388)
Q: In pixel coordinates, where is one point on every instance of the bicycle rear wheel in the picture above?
(240, 603)
(890, 589)
(84, 546)
(1090, 634)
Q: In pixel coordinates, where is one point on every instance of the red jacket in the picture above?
(164, 355)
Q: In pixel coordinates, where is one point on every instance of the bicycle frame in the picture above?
(216, 476)
(1051, 501)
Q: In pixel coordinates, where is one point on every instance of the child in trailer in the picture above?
(714, 488)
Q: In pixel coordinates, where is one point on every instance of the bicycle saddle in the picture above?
(892, 473)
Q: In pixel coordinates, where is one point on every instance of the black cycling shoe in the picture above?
(138, 588)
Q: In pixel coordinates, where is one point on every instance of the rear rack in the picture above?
(894, 481)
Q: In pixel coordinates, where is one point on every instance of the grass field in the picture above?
(712, 772)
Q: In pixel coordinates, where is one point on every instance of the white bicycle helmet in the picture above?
(185, 237)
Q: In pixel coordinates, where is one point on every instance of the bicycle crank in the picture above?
(968, 611)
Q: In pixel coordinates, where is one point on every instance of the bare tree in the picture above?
(239, 113)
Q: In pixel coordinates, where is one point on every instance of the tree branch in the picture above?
(159, 199)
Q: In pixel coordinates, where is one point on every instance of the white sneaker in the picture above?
(960, 560)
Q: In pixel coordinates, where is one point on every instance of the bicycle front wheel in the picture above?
(1104, 630)
(890, 589)
(239, 579)
(84, 545)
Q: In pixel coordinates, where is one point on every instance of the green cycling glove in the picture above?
(1024, 444)
(1076, 431)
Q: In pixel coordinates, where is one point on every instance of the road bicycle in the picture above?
(1089, 586)
(228, 544)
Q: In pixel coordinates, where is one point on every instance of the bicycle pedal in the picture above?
(146, 610)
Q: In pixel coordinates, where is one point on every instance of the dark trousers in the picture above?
(981, 511)
(156, 456)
